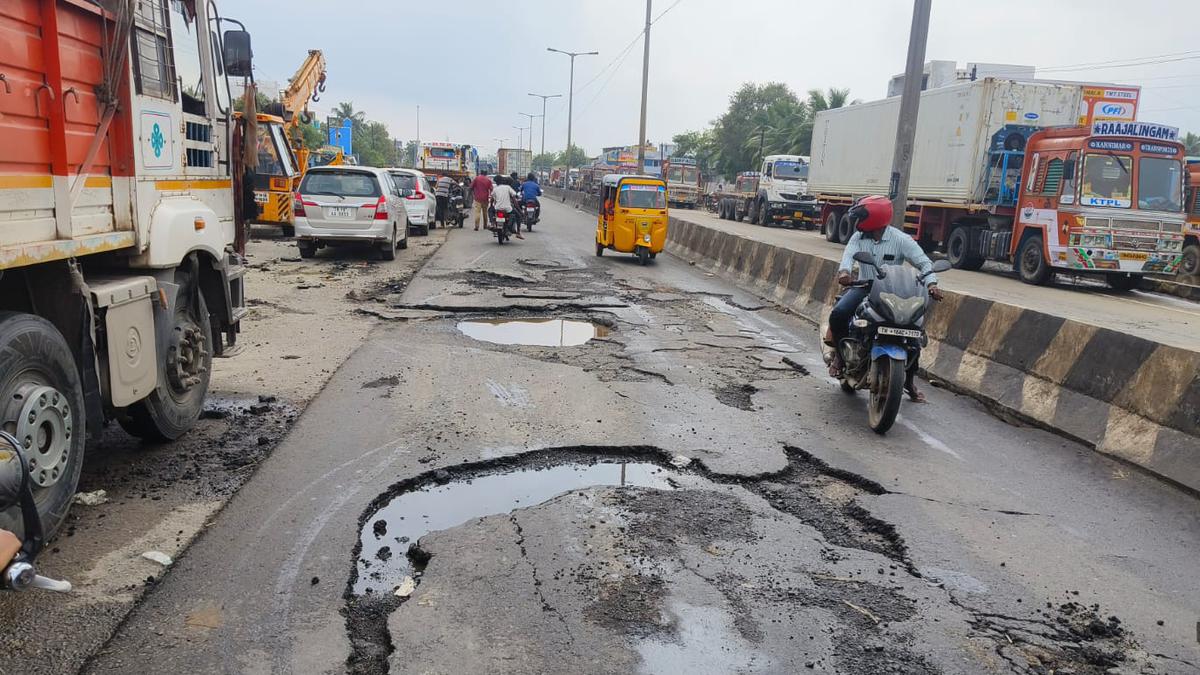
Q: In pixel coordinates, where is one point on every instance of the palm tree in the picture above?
(346, 111)
(828, 100)
(1191, 145)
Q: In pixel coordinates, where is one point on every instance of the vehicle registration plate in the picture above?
(899, 332)
(798, 214)
(261, 197)
(1130, 255)
(340, 212)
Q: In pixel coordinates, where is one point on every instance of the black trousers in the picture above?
(440, 215)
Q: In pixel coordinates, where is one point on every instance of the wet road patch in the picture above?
(533, 332)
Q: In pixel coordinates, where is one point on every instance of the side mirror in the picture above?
(865, 258)
(942, 266)
(237, 54)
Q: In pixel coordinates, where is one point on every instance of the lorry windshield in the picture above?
(791, 170)
(747, 184)
(675, 174)
(1160, 184)
(691, 175)
(643, 197)
(1107, 181)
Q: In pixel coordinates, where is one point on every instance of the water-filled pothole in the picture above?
(389, 532)
(533, 332)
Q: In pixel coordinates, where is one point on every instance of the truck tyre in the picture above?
(763, 213)
(41, 403)
(831, 227)
(958, 250)
(171, 409)
(1031, 263)
(1190, 266)
(1123, 282)
(845, 230)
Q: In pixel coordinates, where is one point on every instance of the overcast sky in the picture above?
(470, 68)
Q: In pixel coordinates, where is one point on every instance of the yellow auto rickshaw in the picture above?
(633, 216)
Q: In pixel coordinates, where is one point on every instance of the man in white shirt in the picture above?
(504, 198)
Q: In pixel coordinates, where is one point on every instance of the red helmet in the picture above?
(871, 213)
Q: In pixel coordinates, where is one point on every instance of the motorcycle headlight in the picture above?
(901, 309)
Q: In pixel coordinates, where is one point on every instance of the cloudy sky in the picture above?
(470, 68)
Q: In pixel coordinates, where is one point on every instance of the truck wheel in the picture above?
(1031, 263)
(831, 227)
(845, 230)
(958, 250)
(764, 214)
(41, 403)
(171, 409)
(1123, 282)
(723, 210)
(1190, 266)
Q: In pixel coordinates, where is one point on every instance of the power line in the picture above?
(1136, 58)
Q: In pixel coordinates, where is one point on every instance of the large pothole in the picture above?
(533, 332)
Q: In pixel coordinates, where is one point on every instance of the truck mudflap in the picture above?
(233, 275)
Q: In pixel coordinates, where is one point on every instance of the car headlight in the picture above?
(901, 309)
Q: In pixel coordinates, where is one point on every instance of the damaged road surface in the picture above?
(544, 461)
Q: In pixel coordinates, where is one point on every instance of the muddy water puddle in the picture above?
(389, 532)
(533, 332)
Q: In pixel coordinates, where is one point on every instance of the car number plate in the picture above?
(261, 197)
(798, 214)
(899, 332)
(341, 212)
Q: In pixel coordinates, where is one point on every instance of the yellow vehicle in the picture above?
(279, 173)
(633, 216)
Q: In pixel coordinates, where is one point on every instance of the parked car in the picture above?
(337, 204)
(419, 201)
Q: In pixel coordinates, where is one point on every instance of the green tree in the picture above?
(261, 101)
(576, 156)
(827, 100)
(314, 136)
(1191, 145)
(751, 109)
(700, 146)
(545, 160)
(374, 145)
(345, 111)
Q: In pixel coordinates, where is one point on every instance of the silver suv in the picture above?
(350, 204)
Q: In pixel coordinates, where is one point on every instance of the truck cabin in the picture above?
(684, 174)
(785, 169)
(747, 182)
(1193, 192)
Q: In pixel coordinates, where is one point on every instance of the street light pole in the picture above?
(531, 118)
(906, 130)
(570, 101)
(544, 98)
(645, 89)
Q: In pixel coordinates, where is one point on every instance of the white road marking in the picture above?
(930, 440)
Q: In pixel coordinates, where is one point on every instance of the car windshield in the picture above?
(643, 197)
(340, 183)
(1160, 184)
(791, 170)
(1107, 181)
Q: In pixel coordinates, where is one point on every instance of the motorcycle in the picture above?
(533, 213)
(501, 222)
(456, 210)
(885, 339)
(17, 571)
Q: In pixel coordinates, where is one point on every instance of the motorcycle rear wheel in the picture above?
(887, 390)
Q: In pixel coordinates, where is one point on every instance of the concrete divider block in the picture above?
(1063, 351)
(1161, 382)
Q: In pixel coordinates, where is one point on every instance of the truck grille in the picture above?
(1151, 225)
(1130, 243)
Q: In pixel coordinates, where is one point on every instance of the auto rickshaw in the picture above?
(633, 216)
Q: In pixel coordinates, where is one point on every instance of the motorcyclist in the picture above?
(890, 246)
(530, 191)
(504, 198)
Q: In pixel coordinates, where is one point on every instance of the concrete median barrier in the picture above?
(1124, 395)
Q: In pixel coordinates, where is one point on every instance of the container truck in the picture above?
(120, 275)
(1047, 176)
(683, 182)
(514, 159)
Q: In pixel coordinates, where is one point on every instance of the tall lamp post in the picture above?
(645, 89)
(570, 100)
(544, 98)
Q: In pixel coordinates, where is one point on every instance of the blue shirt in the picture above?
(530, 190)
(899, 246)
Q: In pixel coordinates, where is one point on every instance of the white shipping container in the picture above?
(852, 146)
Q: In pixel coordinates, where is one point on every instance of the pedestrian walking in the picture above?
(441, 191)
(481, 192)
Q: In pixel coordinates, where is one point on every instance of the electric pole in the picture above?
(645, 90)
(910, 103)
(544, 98)
(531, 118)
(570, 101)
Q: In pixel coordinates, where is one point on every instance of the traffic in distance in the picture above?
(827, 383)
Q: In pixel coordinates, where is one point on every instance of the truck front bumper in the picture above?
(796, 212)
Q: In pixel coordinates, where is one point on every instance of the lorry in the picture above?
(778, 193)
(1190, 267)
(1046, 176)
(514, 159)
(447, 159)
(121, 276)
(683, 182)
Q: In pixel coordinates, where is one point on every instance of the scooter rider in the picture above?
(890, 246)
(504, 198)
(530, 191)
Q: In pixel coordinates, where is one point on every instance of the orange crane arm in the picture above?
(306, 85)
